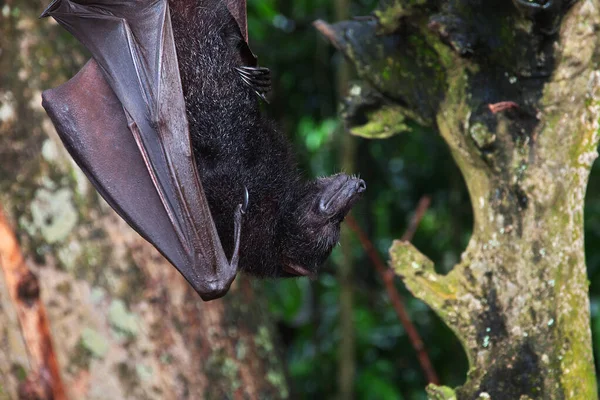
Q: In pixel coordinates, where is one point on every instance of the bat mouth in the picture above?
(297, 270)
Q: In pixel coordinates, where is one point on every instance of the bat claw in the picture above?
(246, 200)
(257, 78)
(237, 223)
(51, 7)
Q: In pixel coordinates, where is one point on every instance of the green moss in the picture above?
(221, 367)
(413, 75)
(50, 151)
(19, 372)
(275, 375)
(53, 214)
(481, 135)
(97, 295)
(230, 370)
(241, 349)
(535, 189)
(69, 256)
(441, 293)
(121, 319)
(390, 17)
(440, 393)
(94, 342)
(82, 189)
(263, 341)
(446, 58)
(416, 268)
(382, 123)
(143, 372)
(575, 367)
(278, 381)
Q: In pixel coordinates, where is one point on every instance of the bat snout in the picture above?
(340, 193)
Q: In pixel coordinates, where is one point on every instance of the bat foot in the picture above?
(257, 78)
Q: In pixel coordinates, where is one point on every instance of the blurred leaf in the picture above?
(316, 134)
(372, 383)
(288, 298)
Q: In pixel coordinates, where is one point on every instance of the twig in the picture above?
(387, 275)
(503, 105)
(326, 30)
(422, 208)
(44, 382)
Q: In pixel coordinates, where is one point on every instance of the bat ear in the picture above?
(247, 55)
(237, 8)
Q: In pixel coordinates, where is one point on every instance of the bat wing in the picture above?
(123, 120)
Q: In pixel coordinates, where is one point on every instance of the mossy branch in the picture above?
(417, 272)
(513, 89)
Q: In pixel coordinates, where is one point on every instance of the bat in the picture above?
(165, 122)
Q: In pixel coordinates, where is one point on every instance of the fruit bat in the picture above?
(165, 121)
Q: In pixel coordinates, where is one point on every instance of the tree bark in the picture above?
(122, 322)
(514, 89)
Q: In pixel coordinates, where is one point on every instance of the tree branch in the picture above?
(45, 382)
(525, 160)
(387, 276)
(422, 208)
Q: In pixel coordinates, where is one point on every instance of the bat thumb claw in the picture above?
(246, 200)
(49, 9)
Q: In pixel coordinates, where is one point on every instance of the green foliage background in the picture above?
(398, 172)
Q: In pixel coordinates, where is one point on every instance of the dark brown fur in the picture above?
(289, 221)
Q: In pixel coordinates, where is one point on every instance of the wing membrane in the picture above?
(139, 108)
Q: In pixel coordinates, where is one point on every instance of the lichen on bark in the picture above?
(515, 93)
(125, 324)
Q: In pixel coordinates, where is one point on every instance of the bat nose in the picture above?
(361, 186)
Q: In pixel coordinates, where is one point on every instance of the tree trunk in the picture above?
(514, 89)
(103, 316)
(345, 267)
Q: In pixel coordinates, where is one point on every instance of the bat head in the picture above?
(316, 222)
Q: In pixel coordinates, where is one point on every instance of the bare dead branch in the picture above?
(422, 208)
(387, 275)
